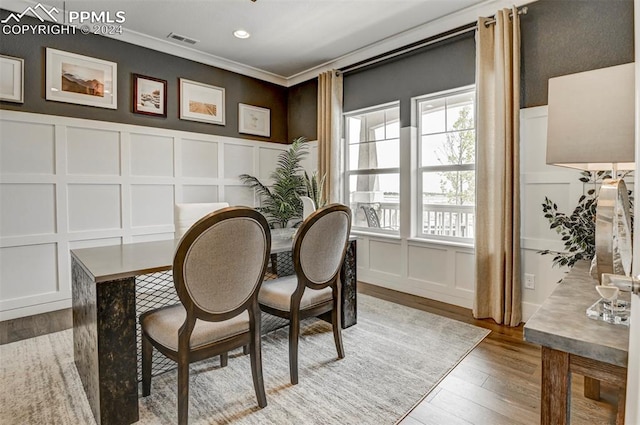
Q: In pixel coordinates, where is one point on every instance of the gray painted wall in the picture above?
(559, 37)
(135, 59)
(439, 67)
(303, 110)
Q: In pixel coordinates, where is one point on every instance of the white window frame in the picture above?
(420, 169)
(372, 171)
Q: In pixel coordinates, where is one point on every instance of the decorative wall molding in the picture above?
(68, 183)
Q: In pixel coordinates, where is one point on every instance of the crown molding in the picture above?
(421, 32)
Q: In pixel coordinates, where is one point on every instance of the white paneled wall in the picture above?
(68, 183)
(445, 272)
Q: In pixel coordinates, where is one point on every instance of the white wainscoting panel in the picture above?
(27, 148)
(384, 257)
(93, 151)
(426, 264)
(69, 183)
(199, 158)
(465, 271)
(151, 155)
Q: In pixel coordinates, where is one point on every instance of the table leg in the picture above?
(349, 279)
(622, 398)
(591, 388)
(556, 387)
(104, 338)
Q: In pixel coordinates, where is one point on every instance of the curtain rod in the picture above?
(522, 11)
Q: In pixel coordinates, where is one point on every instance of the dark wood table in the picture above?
(104, 318)
(572, 342)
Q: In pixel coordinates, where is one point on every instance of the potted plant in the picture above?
(280, 202)
(577, 229)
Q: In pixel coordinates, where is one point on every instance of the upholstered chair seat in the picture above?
(218, 268)
(277, 294)
(318, 253)
(162, 326)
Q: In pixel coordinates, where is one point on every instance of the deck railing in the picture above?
(437, 219)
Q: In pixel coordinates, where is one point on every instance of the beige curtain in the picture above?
(497, 293)
(329, 132)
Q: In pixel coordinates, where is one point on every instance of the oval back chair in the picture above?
(218, 268)
(318, 254)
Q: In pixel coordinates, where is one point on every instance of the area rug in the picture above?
(394, 356)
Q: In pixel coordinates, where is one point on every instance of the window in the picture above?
(446, 165)
(373, 167)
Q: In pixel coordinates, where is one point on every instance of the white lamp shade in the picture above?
(591, 119)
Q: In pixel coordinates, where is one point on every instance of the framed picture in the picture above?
(149, 95)
(201, 102)
(11, 79)
(81, 79)
(254, 120)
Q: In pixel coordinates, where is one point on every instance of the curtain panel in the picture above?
(498, 290)
(330, 133)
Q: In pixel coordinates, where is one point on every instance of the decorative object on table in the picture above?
(81, 79)
(254, 120)
(591, 127)
(149, 96)
(201, 102)
(609, 308)
(11, 79)
(280, 200)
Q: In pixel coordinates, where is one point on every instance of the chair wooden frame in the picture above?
(185, 355)
(295, 313)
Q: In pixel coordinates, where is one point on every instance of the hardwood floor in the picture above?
(497, 383)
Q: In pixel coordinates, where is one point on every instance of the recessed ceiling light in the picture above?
(241, 34)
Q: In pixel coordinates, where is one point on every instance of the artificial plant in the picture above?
(280, 202)
(578, 229)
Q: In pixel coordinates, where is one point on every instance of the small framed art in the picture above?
(149, 95)
(201, 102)
(81, 79)
(11, 79)
(254, 120)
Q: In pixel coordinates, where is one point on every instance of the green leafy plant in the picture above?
(314, 187)
(281, 201)
(578, 229)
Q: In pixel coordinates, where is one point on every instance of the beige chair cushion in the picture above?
(277, 294)
(185, 215)
(162, 326)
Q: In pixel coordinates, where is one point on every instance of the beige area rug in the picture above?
(394, 356)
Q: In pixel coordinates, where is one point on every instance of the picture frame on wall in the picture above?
(79, 79)
(149, 96)
(11, 79)
(254, 120)
(202, 102)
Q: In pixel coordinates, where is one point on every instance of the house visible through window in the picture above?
(373, 167)
(446, 165)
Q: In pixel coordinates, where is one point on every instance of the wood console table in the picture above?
(572, 342)
(104, 318)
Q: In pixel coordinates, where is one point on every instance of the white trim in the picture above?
(421, 32)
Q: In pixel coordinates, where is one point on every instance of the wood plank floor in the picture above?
(497, 383)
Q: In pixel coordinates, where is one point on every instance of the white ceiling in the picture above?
(289, 38)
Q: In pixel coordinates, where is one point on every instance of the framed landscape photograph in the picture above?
(254, 120)
(201, 102)
(11, 79)
(149, 96)
(81, 79)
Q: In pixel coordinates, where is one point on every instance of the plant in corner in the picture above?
(577, 229)
(281, 201)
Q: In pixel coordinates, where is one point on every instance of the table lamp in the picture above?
(591, 127)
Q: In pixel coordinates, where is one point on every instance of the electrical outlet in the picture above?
(529, 281)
